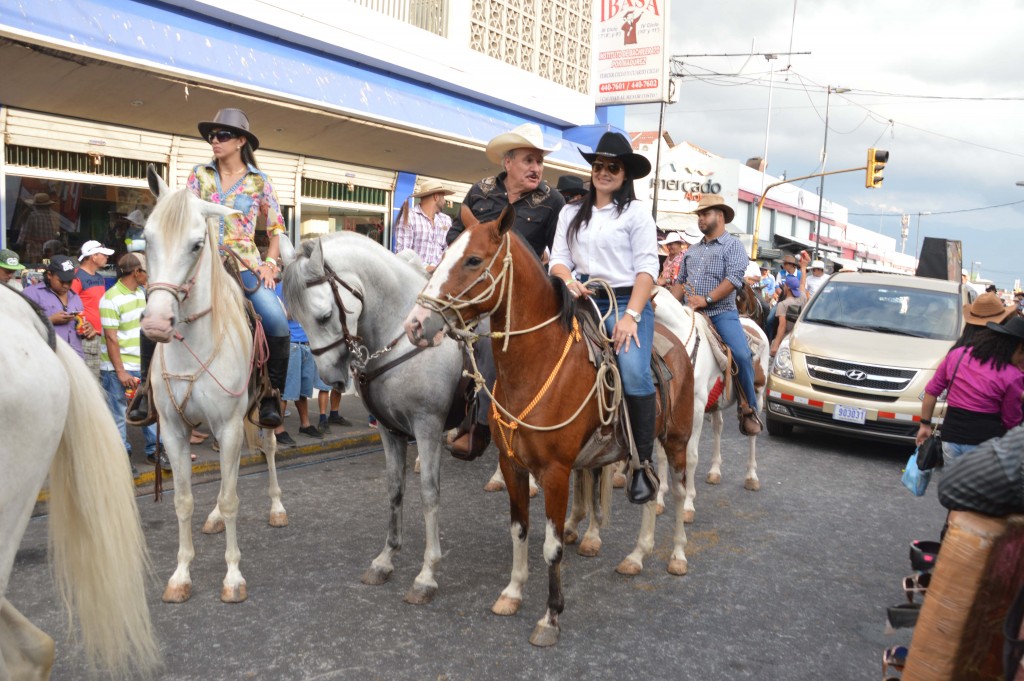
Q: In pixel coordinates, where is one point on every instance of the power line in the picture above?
(940, 212)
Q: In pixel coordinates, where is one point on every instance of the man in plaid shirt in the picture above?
(711, 274)
(423, 228)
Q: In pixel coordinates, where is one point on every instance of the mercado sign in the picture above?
(630, 44)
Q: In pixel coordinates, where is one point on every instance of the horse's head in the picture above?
(467, 283)
(177, 237)
(317, 298)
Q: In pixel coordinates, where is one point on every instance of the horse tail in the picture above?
(97, 549)
(603, 504)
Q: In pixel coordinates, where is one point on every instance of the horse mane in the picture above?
(566, 303)
(174, 213)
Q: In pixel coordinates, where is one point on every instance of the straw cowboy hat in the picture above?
(709, 201)
(525, 136)
(986, 308)
(615, 145)
(40, 199)
(234, 120)
(431, 187)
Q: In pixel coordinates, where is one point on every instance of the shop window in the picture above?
(72, 162)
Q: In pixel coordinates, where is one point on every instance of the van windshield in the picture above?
(887, 309)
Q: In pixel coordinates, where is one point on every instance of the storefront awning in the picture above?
(782, 241)
(845, 263)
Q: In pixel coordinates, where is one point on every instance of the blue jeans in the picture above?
(952, 451)
(268, 306)
(635, 365)
(118, 404)
(729, 328)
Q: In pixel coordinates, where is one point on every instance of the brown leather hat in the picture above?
(234, 120)
(987, 307)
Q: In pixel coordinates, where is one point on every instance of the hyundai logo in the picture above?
(856, 375)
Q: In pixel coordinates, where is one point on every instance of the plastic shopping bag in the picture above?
(915, 479)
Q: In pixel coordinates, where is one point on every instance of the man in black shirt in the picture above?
(521, 154)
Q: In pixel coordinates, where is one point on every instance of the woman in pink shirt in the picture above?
(985, 382)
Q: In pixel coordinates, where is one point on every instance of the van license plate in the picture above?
(850, 414)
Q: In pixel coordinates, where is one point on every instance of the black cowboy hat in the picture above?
(1013, 327)
(234, 120)
(571, 185)
(615, 145)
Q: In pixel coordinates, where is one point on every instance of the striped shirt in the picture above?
(121, 309)
(422, 235)
(707, 264)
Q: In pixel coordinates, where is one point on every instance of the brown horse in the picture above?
(548, 393)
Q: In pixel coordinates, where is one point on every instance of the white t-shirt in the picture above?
(815, 283)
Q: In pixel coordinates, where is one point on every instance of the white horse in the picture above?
(696, 332)
(350, 296)
(200, 371)
(53, 417)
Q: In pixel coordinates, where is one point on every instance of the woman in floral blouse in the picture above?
(233, 179)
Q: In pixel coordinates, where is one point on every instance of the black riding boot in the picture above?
(643, 483)
(277, 371)
(138, 410)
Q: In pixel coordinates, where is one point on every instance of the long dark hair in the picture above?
(248, 155)
(992, 346)
(622, 198)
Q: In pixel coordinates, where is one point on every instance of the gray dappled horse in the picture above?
(350, 295)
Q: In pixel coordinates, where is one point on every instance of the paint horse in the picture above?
(550, 420)
(54, 418)
(201, 370)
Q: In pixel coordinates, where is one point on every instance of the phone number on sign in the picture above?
(626, 85)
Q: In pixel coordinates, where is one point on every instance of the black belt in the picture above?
(301, 342)
(602, 292)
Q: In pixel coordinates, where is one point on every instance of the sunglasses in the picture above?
(221, 136)
(613, 167)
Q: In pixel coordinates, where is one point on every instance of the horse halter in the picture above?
(352, 341)
(180, 292)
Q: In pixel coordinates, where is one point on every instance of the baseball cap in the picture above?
(131, 262)
(9, 260)
(63, 266)
(93, 247)
(794, 284)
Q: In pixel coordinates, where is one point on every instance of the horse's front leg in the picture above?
(692, 453)
(394, 459)
(677, 563)
(175, 442)
(425, 585)
(751, 482)
(278, 516)
(717, 424)
(556, 492)
(230, 438)
(517, 482)
(663, 482)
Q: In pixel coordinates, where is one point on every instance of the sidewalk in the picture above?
(207, 461)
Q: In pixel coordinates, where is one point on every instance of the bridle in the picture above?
(181, 292)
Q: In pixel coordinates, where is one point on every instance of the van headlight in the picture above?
(783, 367)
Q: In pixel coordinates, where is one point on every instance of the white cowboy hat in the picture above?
(753, 270)
(137, 217)
(672, 238)
(817, 265)
(691, 235)
(431, 187)
(525, 136)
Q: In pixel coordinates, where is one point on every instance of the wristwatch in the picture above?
(708, 300)
(634, 315)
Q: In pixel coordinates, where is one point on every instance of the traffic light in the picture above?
(877, 159)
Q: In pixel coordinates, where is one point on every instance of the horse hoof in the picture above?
(213, 526)
(677, 566)
(618, 481)
(420, 595)
(506, 606)
(688, 517)
(544, 635)
(375, 576)
(589, 548)
(659, 509)
(629, 567)
(233, 593)
(533, 491)
(570, 537)
(753, 484)
(279, 519)
(177, 593)
(493, 486)
(714, 478)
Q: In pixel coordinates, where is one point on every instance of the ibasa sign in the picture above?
(630, 43)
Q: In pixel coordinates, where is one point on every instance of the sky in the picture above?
(945, 74)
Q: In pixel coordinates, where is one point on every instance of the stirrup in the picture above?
(643, 484)
(270, 413)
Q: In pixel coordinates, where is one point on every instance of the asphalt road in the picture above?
(790, 582)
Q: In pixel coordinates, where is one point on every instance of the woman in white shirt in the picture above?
(610, 235)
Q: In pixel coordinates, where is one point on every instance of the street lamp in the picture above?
(824, 158)
(917, 248)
